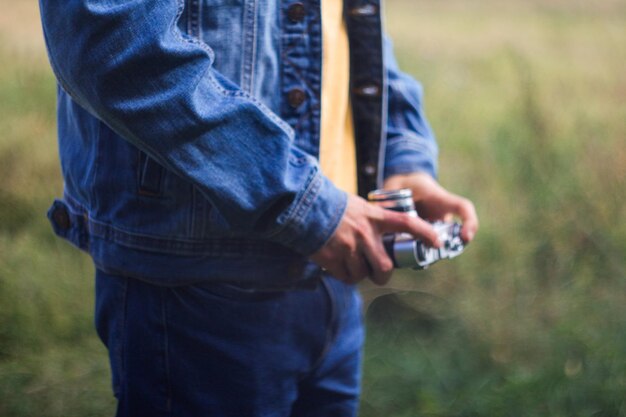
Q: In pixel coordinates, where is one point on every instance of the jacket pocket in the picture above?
(149, 176)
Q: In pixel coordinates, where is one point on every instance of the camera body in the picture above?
(406, 252)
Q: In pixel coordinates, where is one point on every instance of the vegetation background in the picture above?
(528, 99)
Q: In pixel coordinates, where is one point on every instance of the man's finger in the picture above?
(394, 222)
(357, 267)
(380, 264)
(340, 272)
(466, 211)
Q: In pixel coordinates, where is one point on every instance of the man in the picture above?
(189, 135)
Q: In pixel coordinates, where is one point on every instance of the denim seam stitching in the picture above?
(249, 46)
(120, 235)
(191, 224)
(166, 362)
(382, 146)
(411, 146)
(96, 165)
(330, 331)
(254, 46)
(298, 212)
(122, 342)
(334, 221)
(199, 23)
(189, 40)
(216, 248)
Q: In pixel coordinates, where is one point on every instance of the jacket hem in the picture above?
(173, 262)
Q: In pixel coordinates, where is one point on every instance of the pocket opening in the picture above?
(150, 176)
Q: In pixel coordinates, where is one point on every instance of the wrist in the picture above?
(422, 184)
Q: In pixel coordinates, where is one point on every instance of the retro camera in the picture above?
(403, 249)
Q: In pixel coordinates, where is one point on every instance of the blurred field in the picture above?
(528, 99)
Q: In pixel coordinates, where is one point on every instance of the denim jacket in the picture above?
(189, 133)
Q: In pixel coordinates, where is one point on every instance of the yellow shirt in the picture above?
(337, 147)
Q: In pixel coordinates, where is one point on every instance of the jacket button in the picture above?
(296, 12)
(363, 11)
(296, 97)
(368, 90)
(369, 169)
(61, 218)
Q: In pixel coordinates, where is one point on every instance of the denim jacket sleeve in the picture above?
(411, 144)
(126, 62)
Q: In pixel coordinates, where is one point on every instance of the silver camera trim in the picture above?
(407, 252)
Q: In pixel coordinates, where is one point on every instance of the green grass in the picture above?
(528, 102)
(51, 363)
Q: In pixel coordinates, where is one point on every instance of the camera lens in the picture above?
(396, 200)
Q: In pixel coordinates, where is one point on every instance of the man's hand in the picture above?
(355, 251)
(433, 202)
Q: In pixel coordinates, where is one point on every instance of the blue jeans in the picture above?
(219, 350)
